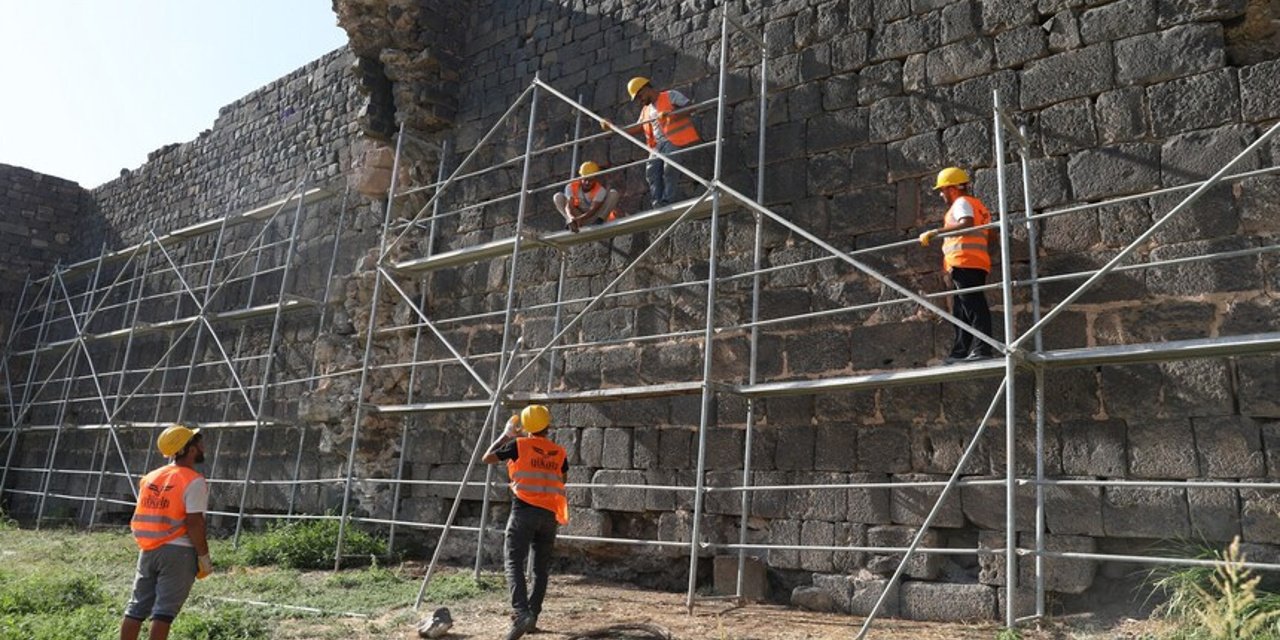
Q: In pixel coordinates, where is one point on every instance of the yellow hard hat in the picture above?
(534, 418)
(588, 168)
(950, 177)
(635, 84)
(175, 439)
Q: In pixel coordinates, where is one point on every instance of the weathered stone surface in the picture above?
(1094, 448)
(617, 449)
(869, 505)
(1145, 512)
(937, 448)
(1259, 521)
(755, 584)
(959, 21)
(984, 505)
(1194, 102)
(816, 533)
(1257, 99)
(946, 602)
(1165, 55)
(1063, 575)
(1194, 156)
(1064, 31)
(1215, 513)
(903, 37)
(921, 565)
(1259, 386)
(1201, 277)
(784, 532)
(898, 118)
(866, 589)
(879, 81)
(1181, 11)
(617, 499)
(1020, 45)
(959, 61)
(1229, 447)
(1122, 115)
(820, 503)
(916, 156)
(1162, 449)
(1114, 170)
(1117, 20)
(910, 505)
(813, 598)
(1071, 74)
(999, 15)
(967, 144)
(1067, 127)
(884, 448)
(1074, 509)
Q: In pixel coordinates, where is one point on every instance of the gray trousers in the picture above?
(162, 583)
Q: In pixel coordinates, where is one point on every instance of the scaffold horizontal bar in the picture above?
(609, 395)
(651, 219)
(1222, 346)
(431, 407)
(992, 368)
(228, 424)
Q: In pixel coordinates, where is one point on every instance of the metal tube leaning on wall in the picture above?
(1011, 368)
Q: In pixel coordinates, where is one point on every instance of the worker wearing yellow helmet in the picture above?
(537, 468)
(169, 527)
(587, 200)
(666, 129)
(966, 261)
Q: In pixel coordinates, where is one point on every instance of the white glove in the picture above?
(513, 427)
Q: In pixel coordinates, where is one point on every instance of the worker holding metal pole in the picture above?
(664, 132)
(966, 260)
(537, 468)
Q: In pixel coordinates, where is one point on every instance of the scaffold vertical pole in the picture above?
(1033, 247)
(164, 374)
(521, 210)
(18, 318)
(1010, 371)
(264, 388)
(197, 342)
(404, 425)
(15, 417)
(561, 254)
(368, 349)
(757, 261)
(708, 336)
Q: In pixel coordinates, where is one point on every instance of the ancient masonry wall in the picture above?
(868, 100)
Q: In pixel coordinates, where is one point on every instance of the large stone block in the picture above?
(1173, 12)
(945, 602)
(1020, 45)
(936, 447)
(786, 533)
(959, 61)
(1172, 53)
(1213, 215)
(910, 505)
(1259, 387)
(1259, 200)
(1116, 170)
(819, 503)
(816, 533)
(1229, 447)
(1194, 102)
(879, 81)
(1215, 513)
(835, 444)
(1094, 448)
(924, 566)
(1260, 515)
(617, 498)
(1067, 126)
(1063, 575)
(1074, 509)
(1145, 512)
(959, 21)
(1163, 449)
(1258, 99)
(771, 503)
(903, 37)
(968, 144)
(865, 591)
(1001, 15)
(984, 505)
(818, 351)
(755, 583)
(1196, 388)
(675, 447)
(617, 449)
(1117, 20)
(1194, 156)
(868, 505)
(836, 130)
(884, 448)
(1243, 273)
(899, 118)
(1072, 74)
(971, 99)
(1122, 115)
(916, 156)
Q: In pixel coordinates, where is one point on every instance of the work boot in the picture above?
(521, 625)
(978, 355)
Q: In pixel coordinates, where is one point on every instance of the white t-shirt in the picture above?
(196, 500)
(650, 113)
(961, 209)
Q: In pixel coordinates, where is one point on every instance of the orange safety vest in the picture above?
(968, 250)
(575, 197)
(536, 475)
(161, 514)
(678, 128)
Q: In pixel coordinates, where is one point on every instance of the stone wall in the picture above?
(867, 101)
(43, 221)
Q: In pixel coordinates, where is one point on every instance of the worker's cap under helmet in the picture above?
(635, 84)
(175, 439)
(950, 177)
(535, 418)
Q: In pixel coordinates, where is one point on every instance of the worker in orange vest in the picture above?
(168, 525)
(664, 132)
(536, 467)
(587, 199)
(966, 260)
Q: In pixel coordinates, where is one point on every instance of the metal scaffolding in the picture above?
(539, 329)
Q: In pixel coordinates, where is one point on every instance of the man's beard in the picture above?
(199, 457)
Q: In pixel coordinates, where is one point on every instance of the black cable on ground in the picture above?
(628, 631)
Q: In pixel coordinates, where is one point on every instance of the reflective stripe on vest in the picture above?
(536, 478)
(161, 513)
(968, 250)
(575, 193)
(678, 128)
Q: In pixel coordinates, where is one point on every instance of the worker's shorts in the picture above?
(163, 582)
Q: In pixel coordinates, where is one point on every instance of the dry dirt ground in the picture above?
(579, 608)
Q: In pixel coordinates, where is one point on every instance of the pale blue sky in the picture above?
(92, 86)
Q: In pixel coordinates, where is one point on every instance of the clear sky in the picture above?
(91, 87)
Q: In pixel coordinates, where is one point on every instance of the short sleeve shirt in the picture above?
(600, 195)
(649, 113)
(196, 500)
(961, 209)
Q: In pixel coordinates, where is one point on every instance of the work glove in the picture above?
(204, 566)
(513, 427)
(927, 236)
(664, 117)
(605, 125)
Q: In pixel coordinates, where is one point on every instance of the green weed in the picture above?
(1221, 602)
(92, 622)
(306, 545)
(40, 593)
(1008, 634)
(452, 587)
(224, 623)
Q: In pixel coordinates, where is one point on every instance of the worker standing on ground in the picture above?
(587, 200)
(966, 260)
(664, 131)
(168, 525)
(536, 467)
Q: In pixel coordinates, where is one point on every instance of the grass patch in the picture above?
(306, 545)
(454, 587)
(1221, 602)
(226, 623)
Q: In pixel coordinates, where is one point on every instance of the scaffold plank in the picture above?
(642, 221)
(944, 373)
(1223, 346)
